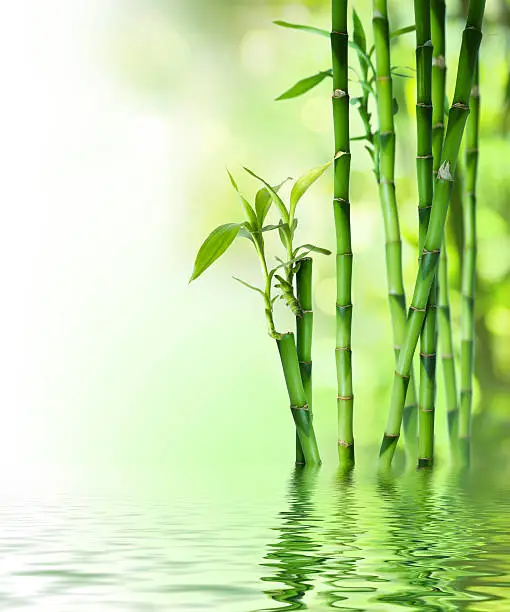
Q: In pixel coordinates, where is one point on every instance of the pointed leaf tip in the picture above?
(213, 247)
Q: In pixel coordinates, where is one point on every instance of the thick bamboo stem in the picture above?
(468, 277)
(424, 167)
(341, 205)
(471, 39)
(387, 196)
(298, 402)
(304, 332)
(438, 28)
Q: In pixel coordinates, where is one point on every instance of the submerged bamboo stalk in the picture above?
(468, 276)
(304, 333)
(438, 28)
(341, 204)
(387, 196)
(471, 39)
(424, 167)
(298, 401)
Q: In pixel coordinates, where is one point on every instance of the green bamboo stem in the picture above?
(438, 27)
(304, 332)
(468, 277)
(387, 196)
(424, 168)
(298, 402)
(341, 205)
(429, 261)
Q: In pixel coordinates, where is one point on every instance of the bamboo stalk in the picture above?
(438, 27)
(304, 332)
(387, 196)
(468, 276)
(429, 261)
(341, 205)
(424, 168)
(298, 402)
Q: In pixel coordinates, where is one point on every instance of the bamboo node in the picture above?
(423, 105)
(339, 33)
(473, 150)
(341, 200)
(402, 376)
(388, 435)
(424, 355)
(345, 444)
(421, 409)
(424, 157)
(384, 180)
(436, 251)
(344, 398)
(439, 62)
(304, 407)
(305, 362)
(475, 91)
(307, 311)
(417, 309)
(346, 254)
(383, 77)
(424, 208)
(444, 172)
(438, 126)
(340, 93)
(343, 348)
(343, 307)
(460, 106)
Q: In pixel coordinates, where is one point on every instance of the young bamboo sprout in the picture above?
(386, 148)
(253, 228)
(457, 117)
(341, 206)
(304, 333)
(424, 166)
(438, 28)
(468, 277)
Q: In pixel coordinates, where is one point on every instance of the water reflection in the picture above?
(426, 541)
(295, 557)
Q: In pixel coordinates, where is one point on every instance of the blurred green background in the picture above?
(119, 120)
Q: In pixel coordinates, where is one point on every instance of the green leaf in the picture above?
(405, 30)
(302, 185)
(248, 209)
(360, 39)
(303, 28)
(214, 246)
(311, 248)
(240, 280)
(278, 201)
(395, 69)
(362, 54)
(270, 228)
(244, 232)
(263, 201)
(394, 106)
(301, 87)
(285, 234)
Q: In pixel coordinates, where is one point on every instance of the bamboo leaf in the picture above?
(360, 39)
(214, 246)
(263, 201)
(278, 201)
(402, 31)
(362, 54)
(311, 248)
(285, 234)
(301, 87)
(304, 183)
(303, 28)
(244, 232)
(394, 106)
(240, 280)
(250, 215)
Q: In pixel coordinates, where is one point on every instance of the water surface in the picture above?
(287, 540)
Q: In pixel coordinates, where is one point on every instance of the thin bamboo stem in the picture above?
(341, 205)
(304, 333)
(471, 39)
(387, 196)
(438, 28)
(298, 402)
(468, 276)
(424, 168)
